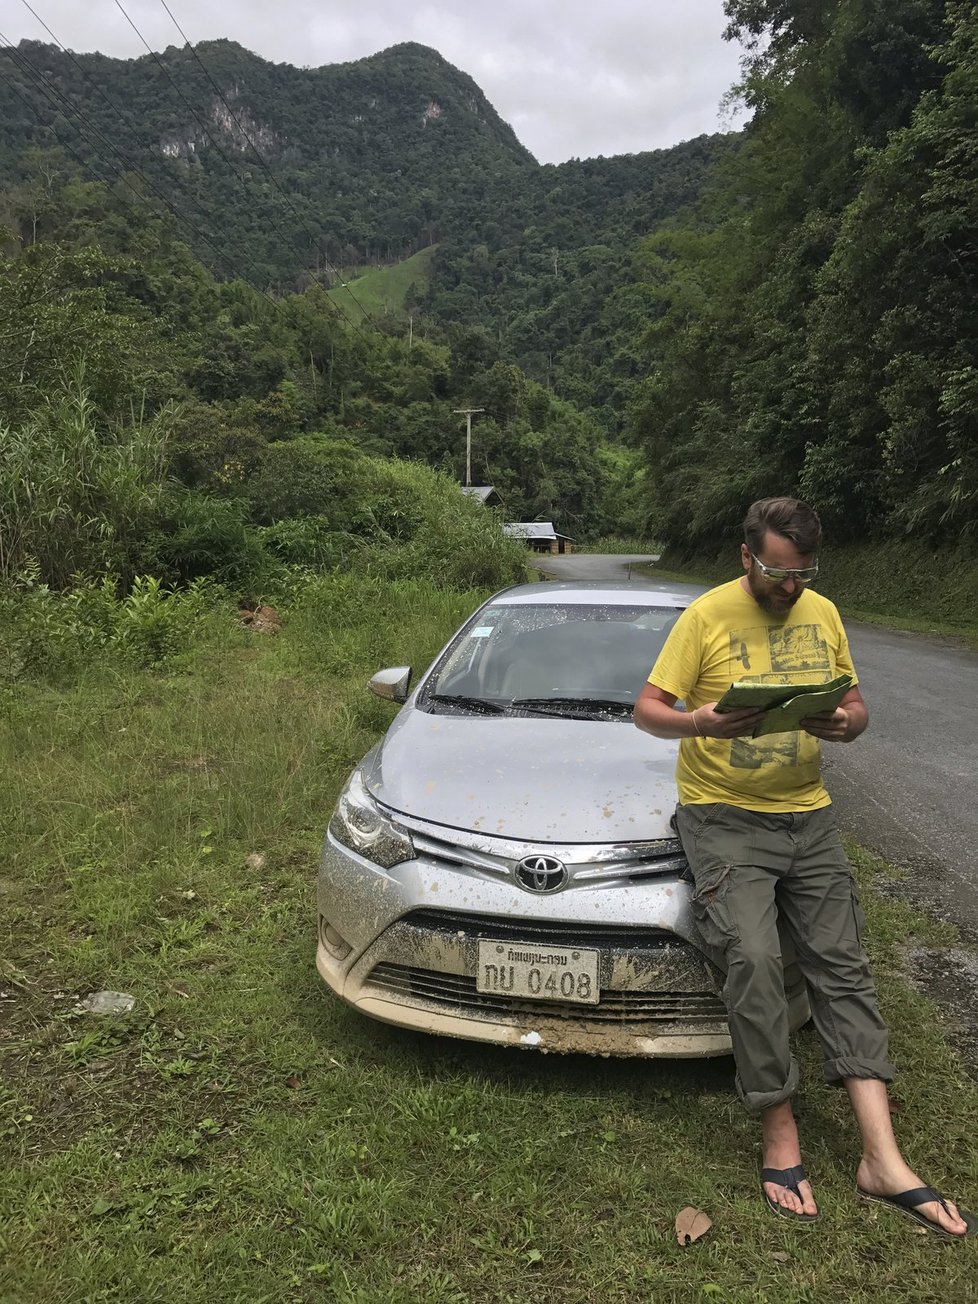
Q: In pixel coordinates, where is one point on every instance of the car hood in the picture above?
(540, 780)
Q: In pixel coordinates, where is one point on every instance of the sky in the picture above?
(573, 78)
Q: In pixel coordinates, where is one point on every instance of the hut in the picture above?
(539, 536)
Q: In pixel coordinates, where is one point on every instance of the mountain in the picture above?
(282, 175)
(375, 157)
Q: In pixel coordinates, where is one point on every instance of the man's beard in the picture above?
(766, 595)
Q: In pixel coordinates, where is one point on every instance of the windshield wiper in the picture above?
(467, 703)
(559, 705)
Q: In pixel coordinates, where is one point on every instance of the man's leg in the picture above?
(882, 1169)
(818, 900)
(818, 903)
(734, 906)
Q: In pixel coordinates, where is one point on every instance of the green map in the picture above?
(785, 705)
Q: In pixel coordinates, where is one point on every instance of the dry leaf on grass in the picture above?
(691, 1224)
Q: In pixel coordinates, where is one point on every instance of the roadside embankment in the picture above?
(900, 584)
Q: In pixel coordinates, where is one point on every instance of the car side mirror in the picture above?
(391, 684)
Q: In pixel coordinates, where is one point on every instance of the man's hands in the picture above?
(842, 725)
(711, 723)
(655, 713)
(830, 726)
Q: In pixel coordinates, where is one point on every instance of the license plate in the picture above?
(538, 973)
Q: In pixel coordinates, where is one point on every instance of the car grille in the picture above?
(554, 934)
(457, 993)
(589, 863)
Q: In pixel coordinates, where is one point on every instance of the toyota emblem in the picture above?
(541, 874)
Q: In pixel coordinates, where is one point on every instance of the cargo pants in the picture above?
(750, 869)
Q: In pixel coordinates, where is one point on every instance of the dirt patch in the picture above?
(949, 976)
(948, 973)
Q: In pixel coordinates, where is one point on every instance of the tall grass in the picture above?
(73, 495)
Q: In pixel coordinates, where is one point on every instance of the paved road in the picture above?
(591, 565)
(909, 787)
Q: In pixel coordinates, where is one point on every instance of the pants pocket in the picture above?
(711, 907)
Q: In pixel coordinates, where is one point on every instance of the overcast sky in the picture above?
(574, 78)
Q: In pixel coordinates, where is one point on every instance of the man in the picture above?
(758, 831)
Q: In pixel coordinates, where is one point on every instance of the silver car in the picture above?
(502, 866)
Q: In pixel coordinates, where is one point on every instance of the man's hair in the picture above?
(789, 517)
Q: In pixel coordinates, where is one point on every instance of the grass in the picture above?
(625, 544)
(381, 291)
(241, 1136)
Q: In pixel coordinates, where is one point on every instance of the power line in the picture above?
(58, 100)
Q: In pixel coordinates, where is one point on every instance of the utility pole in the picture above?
(467, 413)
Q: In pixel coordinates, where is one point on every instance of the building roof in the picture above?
(480, 491)
(533, 530)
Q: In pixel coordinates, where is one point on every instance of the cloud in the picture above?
(573, 78)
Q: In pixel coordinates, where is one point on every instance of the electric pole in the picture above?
(467, 413)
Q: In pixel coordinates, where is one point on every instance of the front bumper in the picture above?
(401, 945)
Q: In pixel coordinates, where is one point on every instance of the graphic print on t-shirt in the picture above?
(776, 654)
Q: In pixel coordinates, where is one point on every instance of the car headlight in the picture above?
(360, 825)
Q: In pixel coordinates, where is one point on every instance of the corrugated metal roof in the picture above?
(480, 491)
(532, 530)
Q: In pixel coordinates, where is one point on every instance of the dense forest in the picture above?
(311, 175)
(815, 325)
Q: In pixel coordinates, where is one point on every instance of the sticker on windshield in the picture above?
(482, 631)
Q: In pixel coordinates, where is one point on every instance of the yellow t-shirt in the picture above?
(725, 636)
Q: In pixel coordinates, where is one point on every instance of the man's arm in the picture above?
(846, 722)
(655, 713)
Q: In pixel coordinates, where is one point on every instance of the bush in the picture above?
(442, 534)
(310, 476)
(309, 541)
(53, 636)
(200, 536)
(76, 497)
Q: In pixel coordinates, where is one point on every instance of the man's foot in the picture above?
(873, 1182)
(782, 1151)
(778, 1183)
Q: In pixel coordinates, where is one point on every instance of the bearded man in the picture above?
(758, 830)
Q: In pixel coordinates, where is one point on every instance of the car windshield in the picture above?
(550, 658)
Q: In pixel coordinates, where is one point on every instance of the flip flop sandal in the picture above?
(906, 1202)
(790, 1179)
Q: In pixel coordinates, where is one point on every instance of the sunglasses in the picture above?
(778, 573)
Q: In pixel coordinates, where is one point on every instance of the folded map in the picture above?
(784, 705)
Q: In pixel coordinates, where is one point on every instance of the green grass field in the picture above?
(380, 292)
(241, 1136)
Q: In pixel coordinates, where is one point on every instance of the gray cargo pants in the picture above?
(748, 870)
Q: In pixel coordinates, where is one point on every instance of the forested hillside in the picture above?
(655, 339)
(815, 326)
(288, 177)
(156, 420)
(365, 161)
